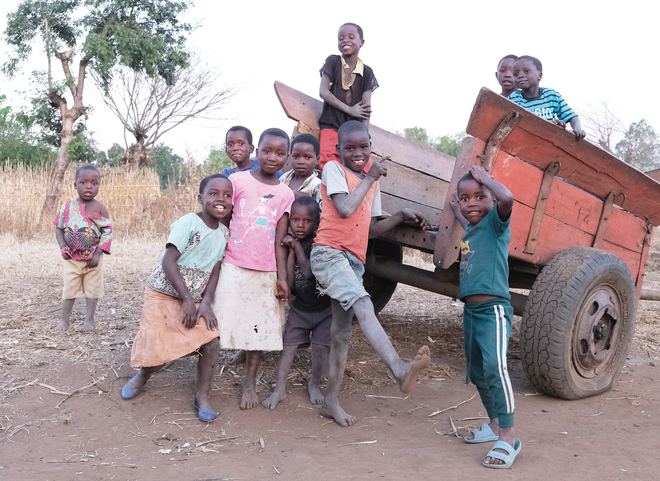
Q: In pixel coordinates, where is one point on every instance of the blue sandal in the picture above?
(483, 435)
(507, 458)
(206, 415)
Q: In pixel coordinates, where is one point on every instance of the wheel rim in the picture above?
(597, 331)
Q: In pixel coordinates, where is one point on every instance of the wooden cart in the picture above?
(580, 232)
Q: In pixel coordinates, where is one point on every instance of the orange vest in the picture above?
(346, 233)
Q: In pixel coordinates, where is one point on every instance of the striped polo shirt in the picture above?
(547, 105)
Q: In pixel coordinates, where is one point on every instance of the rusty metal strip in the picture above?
(539, 210)
(492, 148)
(611, 199)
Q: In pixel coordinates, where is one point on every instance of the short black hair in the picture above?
(240, 128)
(82, 169)
(465, 178)
(359, 29)
(534, 60)
(307, 139)
(311, 204)
(275, 132)
(206, 180)
(350, 127)
(514, 57)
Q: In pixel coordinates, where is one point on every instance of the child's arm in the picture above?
(205, 310)
(453, 203)
(281, 253)
(502, 194)
(378, 227)
(173, 275)
(360, 110)
(104, 241)
(290, 267)
(347, 203)
(59, 236)
(366, 101)
(576, 125)
(299, 254)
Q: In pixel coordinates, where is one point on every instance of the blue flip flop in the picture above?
(206, 415)
(483, 435)
(507, 458)
(128, 392)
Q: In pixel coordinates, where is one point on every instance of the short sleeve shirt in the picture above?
(83, 233)
(307, 297)
(332, 118)
(484, 257)
(257, 209)
(201, 248)
(547, 105)
(334, 178)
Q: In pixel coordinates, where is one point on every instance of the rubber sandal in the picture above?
(483, 435)
(128, 392)
(507, 458)
(206, 415)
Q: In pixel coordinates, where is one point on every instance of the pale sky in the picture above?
(430, 59)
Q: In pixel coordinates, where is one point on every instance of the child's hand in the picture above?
(207, 313)
(454, 203)
(579, 134)
(416, 218)
(480, 174)
(189, 314)
(66, 256)
(94, 261)
(379, 168)
(282, 290)
(560, 123)
(289, 241)
(360, 110)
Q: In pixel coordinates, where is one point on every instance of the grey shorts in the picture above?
(338, 275)
(299, 325)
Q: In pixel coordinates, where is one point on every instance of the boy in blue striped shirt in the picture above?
(546, 103)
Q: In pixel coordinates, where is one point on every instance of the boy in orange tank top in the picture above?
(351, 208)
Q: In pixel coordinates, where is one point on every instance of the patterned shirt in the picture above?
(201, 248)
(83, 233)
(311, 185)
(548, 105)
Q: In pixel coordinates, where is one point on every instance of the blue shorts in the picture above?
(338, 275)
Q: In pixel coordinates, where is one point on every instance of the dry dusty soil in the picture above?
(45, 434)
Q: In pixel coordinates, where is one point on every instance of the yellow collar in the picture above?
(359, 70)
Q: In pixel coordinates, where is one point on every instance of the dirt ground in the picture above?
(94, 435)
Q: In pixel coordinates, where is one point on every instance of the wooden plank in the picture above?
(412, 237)
(626, 230)
(393, 204)
(539, 209)
(450, 230)
(415, 186)
(306, 111)
(632, 259)
(540, 142)
(521, 178)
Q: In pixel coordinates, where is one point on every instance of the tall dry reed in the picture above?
(136, 205)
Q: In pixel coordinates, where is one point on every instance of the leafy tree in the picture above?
(216, 161)
(418, 134)
(640, 147)
(170, 167)
(143, 35)
(449, 144)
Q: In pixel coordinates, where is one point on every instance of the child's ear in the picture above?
(251, 148)
(338, 149)
(199, 198)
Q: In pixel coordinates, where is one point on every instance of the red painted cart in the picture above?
(581, 228)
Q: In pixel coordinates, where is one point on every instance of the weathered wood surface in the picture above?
(582, 163)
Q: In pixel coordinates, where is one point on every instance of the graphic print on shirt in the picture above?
(261, 215)
(466, 255)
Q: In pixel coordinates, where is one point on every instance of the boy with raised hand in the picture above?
(487, 314)
(351, 208)
(504, 75)
(546, 103)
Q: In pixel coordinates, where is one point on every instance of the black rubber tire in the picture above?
(380, 289)
(567, 297)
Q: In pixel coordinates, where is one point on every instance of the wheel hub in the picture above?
(596, 331)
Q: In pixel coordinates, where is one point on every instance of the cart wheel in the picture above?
(379, 289)
(578, 323)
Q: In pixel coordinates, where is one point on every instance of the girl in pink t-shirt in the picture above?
(253, 284)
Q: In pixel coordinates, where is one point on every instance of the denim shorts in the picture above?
(338, 275)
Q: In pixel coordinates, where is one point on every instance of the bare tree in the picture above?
(603, 124)
(149, 108)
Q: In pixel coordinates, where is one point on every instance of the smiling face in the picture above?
(302, 221)
(526, 75)
(216, 198)
(303, 159)
(272, 153)
(237, 146)
(504, 74)
(354, 150)
(349, 41)
(87, 184)
(475, 200)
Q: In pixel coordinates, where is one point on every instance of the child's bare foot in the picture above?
(249, 399)
(271, 401)
(315, 396)
(63, 325)
(88, 325)
(421, 362)
(335, 412)
(237, 358)
(507, 435)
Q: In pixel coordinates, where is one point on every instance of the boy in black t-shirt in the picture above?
(346, 87)
(309, 313)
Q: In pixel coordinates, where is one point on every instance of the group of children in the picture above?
(262, 235)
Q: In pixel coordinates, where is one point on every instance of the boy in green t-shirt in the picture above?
(487, 315)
